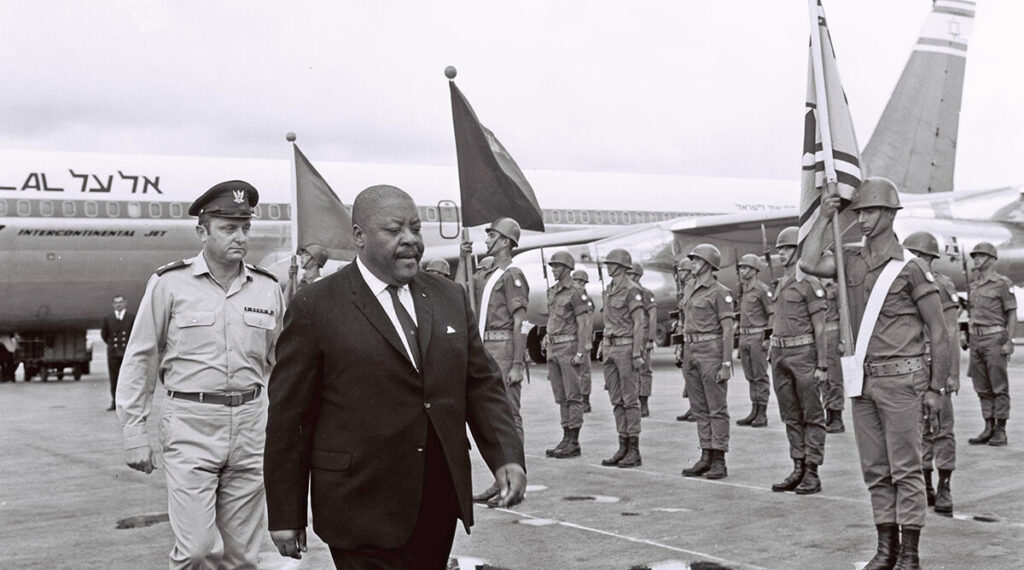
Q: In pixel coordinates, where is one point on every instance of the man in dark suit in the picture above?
(379, 369)
(117, 327)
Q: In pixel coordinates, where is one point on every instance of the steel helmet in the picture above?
(922, 243)
(708, 253)
(582, 275)
(619, 257)
(564, 258)
(439, 265)
(876, 192)
(317, 253)
(750, 260)
(685, 264)
(636, 269)
(985, 248)
(508, 228)
(788, 237)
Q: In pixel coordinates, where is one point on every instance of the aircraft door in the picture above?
(449, 224)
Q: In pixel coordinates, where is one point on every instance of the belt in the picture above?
(790, 341)
(700, 337)
(497, 335)
(225, 399)
(984, 331)
(560, 338)
(752, 330)
(894, 366)
(831, 326)
(619, 341)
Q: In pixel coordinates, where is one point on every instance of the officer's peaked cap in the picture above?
(231, 199)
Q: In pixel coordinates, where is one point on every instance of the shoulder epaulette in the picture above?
(261, 271)
(171, 266)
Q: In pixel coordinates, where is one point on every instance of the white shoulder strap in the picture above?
(485, 299)
(853, 366)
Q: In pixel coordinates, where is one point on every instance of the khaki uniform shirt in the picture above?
(619, 303)
(756, 306)
(565, 304)
(705, 305)
(795, 302)
(990, 299)
(832, 298)
(508, 295)
(195, 337)
(648, 304)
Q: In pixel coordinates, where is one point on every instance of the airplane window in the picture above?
(3, 207)
(69, 208)
(585, 216)
(627, 218)
(24, 208)
(134, 210)
(599, 216)
(613, 217)
(176, 209)
(570, 216)
(274, 211)
(431, 214)
(257, 211)
(46, 208)
(156, 210)
(556, 216)
(113, 209)
(92, 209)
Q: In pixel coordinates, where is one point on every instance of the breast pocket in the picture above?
(194, 331)
(257, 325)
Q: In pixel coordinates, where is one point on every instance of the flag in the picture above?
(491, 184)
(844, 166)
(321, 218)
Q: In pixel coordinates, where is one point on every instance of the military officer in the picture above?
(622, 351)
(887, 400)
(756, 306)
(438, 266)
(114, 332)
(502, 295)
(568, 334)
(650, 333)
(580, 278)
(684, 277)
(707, 360)
(207, 327)
(939, 443)
(993, 320)
(799, 366)
(832, 392)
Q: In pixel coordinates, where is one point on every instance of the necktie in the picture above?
(408, 325)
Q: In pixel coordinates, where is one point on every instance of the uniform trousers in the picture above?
(832, 394)
(939, 447)
(565, 383)
(800, 401)
(646, 375)
(585, 381)
(887, 427)
(213, 462)
(988, 371)
(501, 352)
(701, 362)
(113, 370)
(622, 383)
(755, 367)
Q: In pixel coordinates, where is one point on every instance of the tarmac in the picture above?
(65, 491)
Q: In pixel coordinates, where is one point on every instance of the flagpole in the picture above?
(466, 271)
(825, 128)
(293, 270)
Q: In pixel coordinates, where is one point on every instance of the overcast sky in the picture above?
(698, 87)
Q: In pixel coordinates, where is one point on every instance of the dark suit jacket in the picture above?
(115, 333)
(349, 412)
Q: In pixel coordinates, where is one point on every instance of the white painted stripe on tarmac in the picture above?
(636, 540)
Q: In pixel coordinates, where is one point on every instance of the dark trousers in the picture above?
(800, 401)
(988, 371)
(430, 545)
(113, 369)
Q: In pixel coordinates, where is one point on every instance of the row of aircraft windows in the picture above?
(94, 209)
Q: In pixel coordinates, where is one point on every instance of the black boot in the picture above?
(835, 422)
(750, 417)
(617, 457)
(985, 435)
(888, 547)
(761, 419)
(561, 445)
(718, 469)
(908, 558)
(644, 410)
(701, 466)
(943, 495)
(928, 489)
(686, 417)
(632, 458)
(793, 479)
(810, 483)
(572, 448)
(586, 403)
(998, 433)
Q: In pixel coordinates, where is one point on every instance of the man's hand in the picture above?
(290, 542)
(932, 405)
(511, 480)
(576, 360)
(820, 376)
(1007, 348)
(515, 375)
(963, 340)
(600, 351)
(544, 343)
(829, 205)
(638, 362)
(724, 373)
(466, 248)
(140, 459)
(679, 355)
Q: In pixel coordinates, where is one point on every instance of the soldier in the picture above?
(312, 259)
(207, 328)
(993, 320)
(755, 317)
(622, 350)
(893, 303)
(938, 442)
(684, 277)
(502, 294)
(707, 360)
(650, 332)
(439, 267)
(799, 366)
(568, 334)
(832, 393)
(580, 278)
(117, 326)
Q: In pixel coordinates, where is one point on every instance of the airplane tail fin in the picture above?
(914, 143)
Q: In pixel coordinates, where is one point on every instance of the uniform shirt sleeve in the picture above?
(1009, 299)
(137, 379)
(816, 298)
(635, 299)
(723, 303)
(765, 296)
(920, 285)
(581, 303)
(517, 290)
(276, 333)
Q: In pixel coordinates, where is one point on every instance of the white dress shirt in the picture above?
(119, 314)
(380, 291)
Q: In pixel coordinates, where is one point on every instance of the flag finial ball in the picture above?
(290, 137)
(450, 72)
